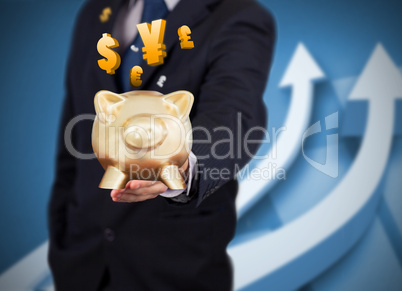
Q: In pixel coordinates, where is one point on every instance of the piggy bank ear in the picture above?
(108, 103)
(183, 100)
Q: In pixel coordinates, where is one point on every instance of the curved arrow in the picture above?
(314, 241)
(300, 74)
(305, 239)
(26, 273)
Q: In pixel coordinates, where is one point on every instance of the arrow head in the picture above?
(380, 78)
(302, 68)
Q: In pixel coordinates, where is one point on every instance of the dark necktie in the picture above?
(153, 10)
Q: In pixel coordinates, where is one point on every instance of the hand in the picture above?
(140, 190)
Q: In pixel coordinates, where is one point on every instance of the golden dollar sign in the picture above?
(135, 76)
(105, 14)
(112, 61)
(152, 36)
(184, 37)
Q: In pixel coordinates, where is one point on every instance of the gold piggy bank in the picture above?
(142, 135)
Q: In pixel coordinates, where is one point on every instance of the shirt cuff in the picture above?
(192, 162)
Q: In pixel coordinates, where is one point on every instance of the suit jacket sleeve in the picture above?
(230, 100)
(65, 170)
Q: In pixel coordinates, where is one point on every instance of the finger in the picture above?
(146, 189)
(114, 192)
(139, 194)
(156, 188)
(135, 184)
(135, 198)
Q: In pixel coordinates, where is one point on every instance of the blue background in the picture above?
(340, 35)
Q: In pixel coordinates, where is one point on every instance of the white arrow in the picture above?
(326, 232)
(381, 84)
(25, 274)
(300, 74)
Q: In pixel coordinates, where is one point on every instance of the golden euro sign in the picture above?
(135, 76)
(142, 135)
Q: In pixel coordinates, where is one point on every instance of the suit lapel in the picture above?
(187, 12)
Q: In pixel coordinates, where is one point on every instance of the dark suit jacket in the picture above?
(161, 244)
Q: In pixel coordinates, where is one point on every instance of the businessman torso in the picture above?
(160, 244)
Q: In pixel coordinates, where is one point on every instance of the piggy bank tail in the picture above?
(172, 178)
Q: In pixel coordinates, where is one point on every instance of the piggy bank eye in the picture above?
(144, 132)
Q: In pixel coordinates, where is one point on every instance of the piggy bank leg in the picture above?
(172, 178)
(113, 179)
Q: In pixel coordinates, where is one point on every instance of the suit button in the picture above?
(109, 234)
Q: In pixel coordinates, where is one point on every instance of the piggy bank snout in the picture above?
(144, 132)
